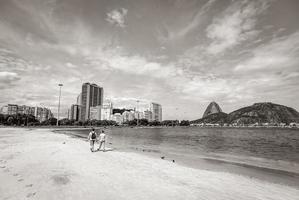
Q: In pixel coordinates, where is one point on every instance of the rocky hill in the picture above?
(215, 118)
(264, 113)
(257, 113)
(212, 108)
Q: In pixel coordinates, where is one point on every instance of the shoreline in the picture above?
(109, 127)
(41, 164)
(252, 168)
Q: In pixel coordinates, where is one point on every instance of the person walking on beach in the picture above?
(92, 137)
(102, 140)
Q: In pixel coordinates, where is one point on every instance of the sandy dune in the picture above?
(39, 164)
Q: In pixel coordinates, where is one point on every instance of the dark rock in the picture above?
(216, 118)
(212, 108)
(265, 112)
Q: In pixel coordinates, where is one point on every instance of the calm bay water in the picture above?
(268, 143)
(264, 153)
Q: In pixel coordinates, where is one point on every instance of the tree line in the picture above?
(30, 120)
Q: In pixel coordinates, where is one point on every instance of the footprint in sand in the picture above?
(31, 194)
(16, 174)
(2, 167)
(30, 185)
(20, 179)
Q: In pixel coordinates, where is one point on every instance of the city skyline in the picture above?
(182, 54)
(90, 105)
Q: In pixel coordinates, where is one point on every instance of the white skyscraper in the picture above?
(156, 110)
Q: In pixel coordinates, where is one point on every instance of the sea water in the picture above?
(231, 149)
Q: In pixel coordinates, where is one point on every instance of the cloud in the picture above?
(278, 54)
(166, 34)
(8, 79)
(235, 25)
(130, 102)
(70, 65)
(9, 76)
(134, 64)
(117, 17)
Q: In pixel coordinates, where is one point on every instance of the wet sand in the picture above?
(39, 164)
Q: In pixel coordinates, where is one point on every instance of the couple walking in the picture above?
(93, 137)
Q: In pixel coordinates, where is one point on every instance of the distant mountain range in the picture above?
(257, 113)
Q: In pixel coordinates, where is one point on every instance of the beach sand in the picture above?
(40, 164)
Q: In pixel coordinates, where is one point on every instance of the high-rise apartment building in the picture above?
(79, 99)
(74, 112)
(148, 115)
(106, 111)
(95, 113)
(91, 96)
(156, 110)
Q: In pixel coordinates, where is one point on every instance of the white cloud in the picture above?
(117, 17)
(8, 76)
(70, 65)
(278, 54)
(195, 20)
(135, 64)
(235, 25)
(8, 79)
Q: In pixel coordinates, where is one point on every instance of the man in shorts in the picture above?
(102, 140)
(92, 137)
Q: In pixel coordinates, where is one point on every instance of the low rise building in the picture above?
(118, 118)
(128, 116)
(41, 114)
(12, 109)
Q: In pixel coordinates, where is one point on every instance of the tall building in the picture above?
(107, 111)
(148, 115)
(74, 113)
(156, 110)
(91, 96)
(79, 103)
(79, 99)
(95, 113)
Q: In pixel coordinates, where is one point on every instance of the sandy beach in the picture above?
(40, 164)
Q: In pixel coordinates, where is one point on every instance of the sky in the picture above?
(182, 54)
